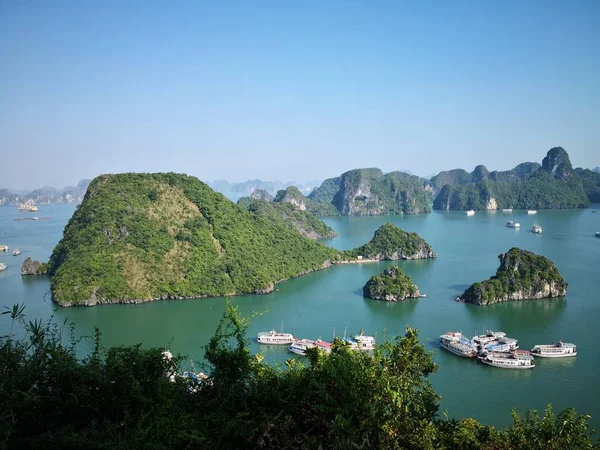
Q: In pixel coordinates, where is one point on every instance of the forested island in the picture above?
(391, 285)
(552, 185)
(142, 237)
(521, 275)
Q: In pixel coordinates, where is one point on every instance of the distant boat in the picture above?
(2, 267)
(597, 233)
(506, 210)
(274, 338)
(504, 360)
(559, 350)
(470, 212)
(300, 346)
(511, 224)
(4, 248)
(27, 207)
(531, 211)
(536, 228)
(16, 252)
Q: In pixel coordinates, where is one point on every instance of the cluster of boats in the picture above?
(4, 248)
(537, 229)
(471, 212)
(497, 350)
(301, 346)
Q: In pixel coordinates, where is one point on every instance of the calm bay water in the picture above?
(319, 304)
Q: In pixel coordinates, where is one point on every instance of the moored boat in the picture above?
(274, 338)
(325, 346)
(456, 343)
(506, 210)
(488, 337)
(300, 346)
(559, 350)
(4, 248)
(510, 360)
(27, 207)
(365, 342)
(470, 212)
(2, 267)
(16, 252)
(531, 211)
(512, 224)
(537, 229)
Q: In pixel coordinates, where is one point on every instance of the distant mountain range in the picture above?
(45, 195)
(245, 188)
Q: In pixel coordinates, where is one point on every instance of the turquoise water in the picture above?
(319, 304)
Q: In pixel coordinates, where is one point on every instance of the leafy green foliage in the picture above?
(591, 183)
(520, 272)
(144, 236)
(294, 196)
(392, 284)
(391, 242)
(131, 398)
(302, 221)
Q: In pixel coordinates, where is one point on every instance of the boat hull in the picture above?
(455, 351)
(557, 355)
(267, 342)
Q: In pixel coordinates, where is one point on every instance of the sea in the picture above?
(329, 303)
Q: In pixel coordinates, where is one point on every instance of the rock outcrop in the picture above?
(522, 275)
(392, 286)
(391, 243)
(31, 267)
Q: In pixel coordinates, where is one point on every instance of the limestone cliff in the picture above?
(392, 286)
(31, 267)
(521, 275)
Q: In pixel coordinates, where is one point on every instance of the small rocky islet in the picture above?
(522, 275)
(392, 285)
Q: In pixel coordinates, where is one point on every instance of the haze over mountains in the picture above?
(45, 195)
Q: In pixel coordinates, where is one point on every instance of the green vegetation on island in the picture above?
(554, 185)
(393, 243)
(52, 396)
(301, 220)
(151, 236)
(522, 275)
(391, 285)
(370, 192)
(141, 237)
(591, 183)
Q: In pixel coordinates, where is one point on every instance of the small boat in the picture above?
(537, 229)
(274, 338)
(512, 224)
(422, 295)
(506, 210)
(514, 360)
(470, 212)
(35, 218)
(559, 350)
(531, 211)
(4, 248)
(16, 252)
(456, 343)
(2, 267)
(300, 346)
(597, 233)
(364, 342)
(27, 207)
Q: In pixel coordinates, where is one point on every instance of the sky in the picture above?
(293, 90)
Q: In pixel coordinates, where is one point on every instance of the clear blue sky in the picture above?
(293, 89)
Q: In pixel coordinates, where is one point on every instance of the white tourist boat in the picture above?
(512, 224)
(300, 346)
(456, 343)
(559, 350)
(470, 212)
(4, 248)
(531, 211)
(506, 210)
(2, 267)
(274, 338)
(510, 360)
(503, 344)
(488, 337)
(323, 345)
(364, 342)
(16, 252)
(537, 229)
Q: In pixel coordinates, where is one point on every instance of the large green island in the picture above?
(522, 275)
(143, 237)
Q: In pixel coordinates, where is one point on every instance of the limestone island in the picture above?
(143, 237)
(31, 267)
(392, 286)
(522, 275)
